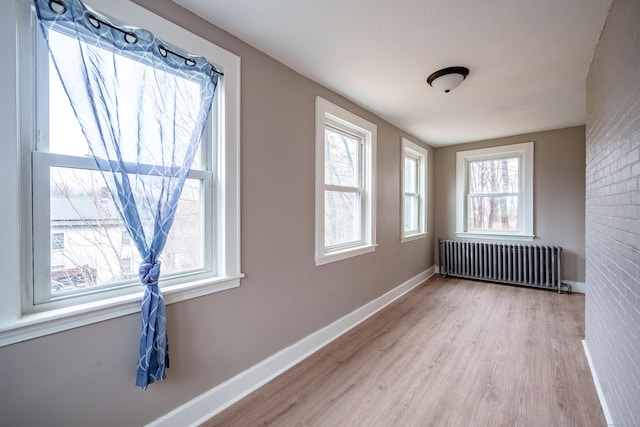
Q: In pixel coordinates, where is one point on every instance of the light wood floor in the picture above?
(450, 353)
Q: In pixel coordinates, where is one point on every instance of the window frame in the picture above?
(18, 318)
(525, 152)
(421, 156)
(329, 115)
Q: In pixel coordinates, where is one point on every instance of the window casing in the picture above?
(494, 192)
(345, 184)
(46, 302)
(414, 191)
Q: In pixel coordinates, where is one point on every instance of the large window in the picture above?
(71, 196)
(495, 192)
(414, 191)
(345, 183)
(75, 255)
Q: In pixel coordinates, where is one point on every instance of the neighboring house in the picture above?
(89, 245)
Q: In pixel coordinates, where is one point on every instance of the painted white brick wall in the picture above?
(613, 212)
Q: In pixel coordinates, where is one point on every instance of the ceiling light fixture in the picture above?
(448, 78)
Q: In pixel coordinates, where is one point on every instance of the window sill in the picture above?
(34, 325)
(487, 236)
(411, 237)
(344, 254)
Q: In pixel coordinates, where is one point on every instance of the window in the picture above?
(345, 184)
(414, 191)
(71, 195)
(494, 192)
(74, 252)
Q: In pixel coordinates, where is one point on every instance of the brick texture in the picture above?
(613, 212)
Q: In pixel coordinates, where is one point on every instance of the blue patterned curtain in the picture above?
(142, 106)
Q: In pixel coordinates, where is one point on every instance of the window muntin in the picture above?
(345, 199)
(413, 210)
(494, 192)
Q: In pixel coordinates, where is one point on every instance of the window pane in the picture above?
(57, 241)
(65, 134)
(341, 218)
(494, 213)
(410, 213)
(341, 158)
(95, 251)
(410, 174)
(494, 176)
(183, 250)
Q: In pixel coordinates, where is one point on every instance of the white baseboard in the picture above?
(580, 287)
(208, 404)
(603, 402)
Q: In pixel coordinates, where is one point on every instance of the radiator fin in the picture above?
(516, 264)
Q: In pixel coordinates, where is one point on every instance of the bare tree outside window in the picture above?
(343, 198)
(494, 194)
(98, 250)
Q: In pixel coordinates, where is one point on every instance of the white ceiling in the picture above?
(528, 58)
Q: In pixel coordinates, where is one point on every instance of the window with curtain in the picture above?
(72, 196)
(112, 188)
(142, 107)
(345, 183)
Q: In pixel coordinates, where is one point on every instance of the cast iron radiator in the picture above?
(516, 264)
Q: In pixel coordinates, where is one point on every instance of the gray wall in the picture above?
(86, 376)
(558, 216)
(613, 212)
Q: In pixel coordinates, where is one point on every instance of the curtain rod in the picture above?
(58, 6)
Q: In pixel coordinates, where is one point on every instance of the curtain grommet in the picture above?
(94, 21)
(57, 6)
(131, 38)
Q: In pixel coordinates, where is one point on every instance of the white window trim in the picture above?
(525, 152)
(328, 112)
(15, 325)
(421, 154)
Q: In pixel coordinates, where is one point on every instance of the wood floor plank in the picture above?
(450, 353)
